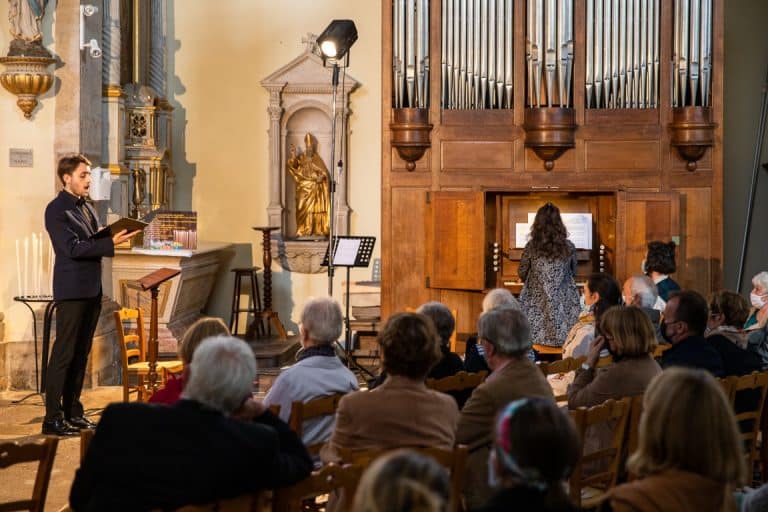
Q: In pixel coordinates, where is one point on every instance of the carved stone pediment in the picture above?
(301, 103)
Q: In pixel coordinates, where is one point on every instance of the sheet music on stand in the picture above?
(348, 252)
(351, 251)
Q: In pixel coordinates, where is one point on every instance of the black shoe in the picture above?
(59, 427)
(81, 422)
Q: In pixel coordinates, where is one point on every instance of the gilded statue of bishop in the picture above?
(312, 199)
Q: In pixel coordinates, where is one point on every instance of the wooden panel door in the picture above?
(643, 217)
(455, 240)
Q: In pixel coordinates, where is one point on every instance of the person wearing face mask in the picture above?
(536, 447)
(683, 325)
(640, 292)
(756, 326)
(601, 291)
(505, 336)
(759, 299)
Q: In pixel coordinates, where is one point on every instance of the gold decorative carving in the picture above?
(27, 78)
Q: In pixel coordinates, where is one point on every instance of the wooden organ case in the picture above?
(493, 107)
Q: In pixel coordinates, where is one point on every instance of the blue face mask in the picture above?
(583, 304)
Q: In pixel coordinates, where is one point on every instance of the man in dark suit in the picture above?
(71, 224)
(215, 443)
(685, 319)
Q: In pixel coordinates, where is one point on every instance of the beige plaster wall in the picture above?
(24, 191)
(218, 54)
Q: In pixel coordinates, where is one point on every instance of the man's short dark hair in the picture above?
(68, 164)
(692, 309)
(410, 345)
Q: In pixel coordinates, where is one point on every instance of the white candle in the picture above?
(34, 264)
(18, 267)
(51, 259)
(40, 263)
(26, 265)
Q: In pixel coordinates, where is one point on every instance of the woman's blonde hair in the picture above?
(403, 481)
(688, 424)
(203, 328)
(631, 328)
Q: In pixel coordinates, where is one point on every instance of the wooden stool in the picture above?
(254, 305)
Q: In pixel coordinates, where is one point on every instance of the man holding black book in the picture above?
(79, 246)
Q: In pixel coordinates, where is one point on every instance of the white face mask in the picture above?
(757, 300)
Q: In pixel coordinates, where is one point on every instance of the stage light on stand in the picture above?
(336, 40)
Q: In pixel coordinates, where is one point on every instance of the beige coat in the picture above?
(518, 379)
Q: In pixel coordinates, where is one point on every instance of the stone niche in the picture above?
(301, 102)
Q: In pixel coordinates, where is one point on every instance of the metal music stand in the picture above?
(348, 252)
(50, 306)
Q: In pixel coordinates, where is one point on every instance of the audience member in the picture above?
(474, 360)
(759, 299)
(547, 267)
(317, 371)
(505, 337)
(640, 292)
(402, 411)
(727, 313)
(403, 481)
(683, 325)
(146, 457)
(536, 447)
(628, 335)
(659, 263)
(689, 455)
(601, 291)
(203, 328)
(450, 363)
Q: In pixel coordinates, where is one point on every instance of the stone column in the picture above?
(275, 110)
(113, 109)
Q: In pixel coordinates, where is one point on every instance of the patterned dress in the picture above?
(549, 298)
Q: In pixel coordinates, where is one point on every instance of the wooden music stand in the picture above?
(152, 283)
(267, 314)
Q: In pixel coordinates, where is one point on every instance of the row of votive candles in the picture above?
(34, 268)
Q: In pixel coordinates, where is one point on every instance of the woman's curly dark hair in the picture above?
(660, 257)
(549, 238)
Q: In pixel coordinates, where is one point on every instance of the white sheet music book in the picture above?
(346, 251)
(579, 226)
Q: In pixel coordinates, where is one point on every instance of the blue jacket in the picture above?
(77, 271)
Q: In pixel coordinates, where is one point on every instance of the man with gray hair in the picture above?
(505, 336)
(215, 443)
(317, 372)
(640, 292)
(498, 298)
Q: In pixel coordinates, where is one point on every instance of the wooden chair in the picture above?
(747, 396)
(323, 481)
(567, 365)
(44, 452)
(454, 460)
(660, 349)
(458, 382)
(274, 409)
(633, 433)
(134, 344)
(303, 411)
(589, 491)
(86, 435)
(548, 353)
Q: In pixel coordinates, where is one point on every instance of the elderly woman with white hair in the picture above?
(756, 325)
(474, 359)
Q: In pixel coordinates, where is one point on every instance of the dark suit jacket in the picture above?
(694, 352)
(147, 456)
(77, 271)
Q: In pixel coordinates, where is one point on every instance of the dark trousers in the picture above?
(75, 324)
